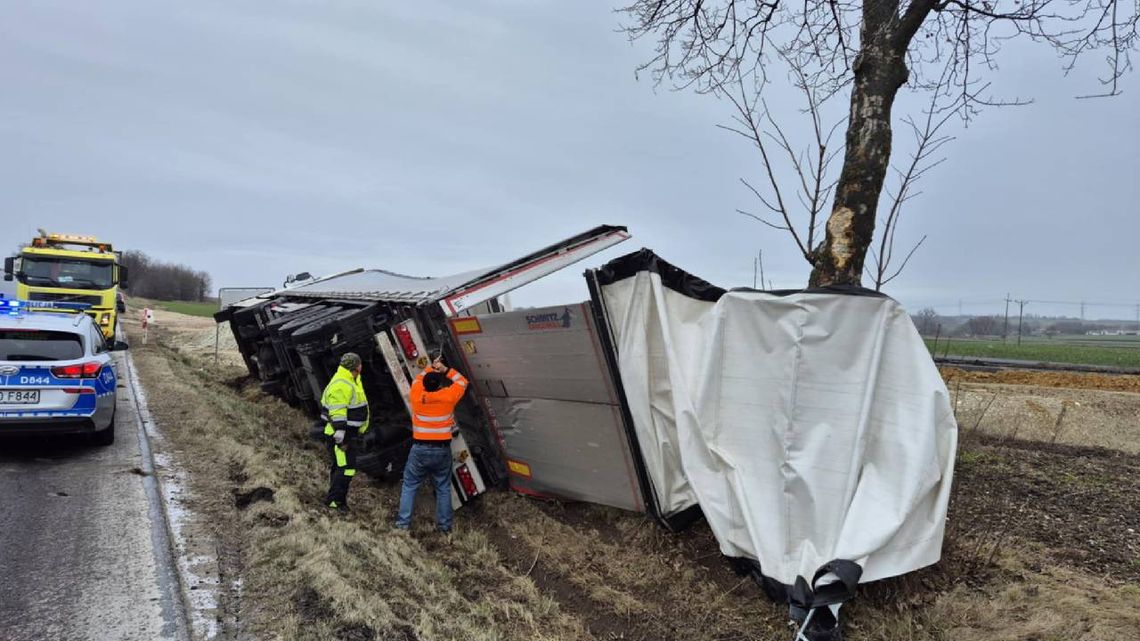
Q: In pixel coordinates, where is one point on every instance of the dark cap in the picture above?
(435, 381)
(350, 361)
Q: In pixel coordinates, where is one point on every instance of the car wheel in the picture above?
(106, 436)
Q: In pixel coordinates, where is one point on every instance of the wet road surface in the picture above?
(84, 552)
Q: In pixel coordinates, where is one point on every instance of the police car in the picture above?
(56, 373)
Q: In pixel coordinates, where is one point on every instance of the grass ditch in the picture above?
(308, 574)
(522, 569)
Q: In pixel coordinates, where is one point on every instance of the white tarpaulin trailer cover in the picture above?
(812, 428)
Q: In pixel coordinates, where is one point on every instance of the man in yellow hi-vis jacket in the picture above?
(345, 410)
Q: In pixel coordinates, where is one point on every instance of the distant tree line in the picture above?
(930, 323)
(152, 278)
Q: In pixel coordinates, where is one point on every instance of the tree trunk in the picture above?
(879, 73)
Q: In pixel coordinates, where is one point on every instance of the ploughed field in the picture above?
(1043, 540)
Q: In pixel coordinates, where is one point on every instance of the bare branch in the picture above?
(749, 120)
(915, 15)
(755, 192)
(928, 142)
(761, 220)
(1026, 13)
(903, 265)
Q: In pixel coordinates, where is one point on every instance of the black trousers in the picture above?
(342, 460)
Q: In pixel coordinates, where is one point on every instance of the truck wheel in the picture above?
(106, 436)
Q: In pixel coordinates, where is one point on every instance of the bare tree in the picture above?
(928, 142)
(984, 326)
(151, 278)
(871, 48)
(754, 121)
(813, 166)
(926, 320)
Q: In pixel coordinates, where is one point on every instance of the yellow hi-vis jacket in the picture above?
(344, 404)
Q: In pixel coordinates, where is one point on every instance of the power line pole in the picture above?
(753, 273)
(1020, 314)
(1138, 317)
(760, 257)
(1082, 310)
(1005, 328)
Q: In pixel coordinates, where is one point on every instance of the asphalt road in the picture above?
(84, 552)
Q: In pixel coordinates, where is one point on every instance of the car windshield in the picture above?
(72, 273)
(39, 345)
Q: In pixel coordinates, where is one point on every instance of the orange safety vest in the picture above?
(433, 413)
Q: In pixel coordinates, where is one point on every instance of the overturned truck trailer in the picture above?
(292, 339)
(810, 428)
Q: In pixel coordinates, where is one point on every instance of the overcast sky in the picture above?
(256, 139)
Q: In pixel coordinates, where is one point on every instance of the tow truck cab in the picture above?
(72, 269)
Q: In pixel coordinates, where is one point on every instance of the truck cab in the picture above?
(71, 269)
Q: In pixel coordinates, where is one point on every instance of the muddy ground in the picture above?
(1042, 541)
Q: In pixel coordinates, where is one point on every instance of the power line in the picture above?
(1081, 303)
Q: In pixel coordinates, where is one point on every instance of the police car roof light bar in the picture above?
(18, 306)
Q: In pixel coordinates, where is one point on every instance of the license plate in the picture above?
(19, 397)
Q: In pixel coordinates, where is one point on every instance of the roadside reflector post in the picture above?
(147, 319)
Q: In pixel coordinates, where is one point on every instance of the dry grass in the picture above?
(627, 576)
(1059, 605)
(521, 569)
(312, 575)
(1028, 601)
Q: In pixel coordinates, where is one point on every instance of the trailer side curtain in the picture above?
(810, 427)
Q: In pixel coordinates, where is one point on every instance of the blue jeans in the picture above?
(425, 461)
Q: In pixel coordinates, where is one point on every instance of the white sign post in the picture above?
(147, 319)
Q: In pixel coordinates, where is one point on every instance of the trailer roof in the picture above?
(383, 285)
(459, 291)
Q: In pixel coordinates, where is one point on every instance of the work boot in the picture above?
(341, 508)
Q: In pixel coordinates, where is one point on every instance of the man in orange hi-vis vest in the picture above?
(433, 398)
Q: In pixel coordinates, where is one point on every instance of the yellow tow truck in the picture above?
(71, 269)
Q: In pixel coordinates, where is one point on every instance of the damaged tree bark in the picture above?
(880, 71)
